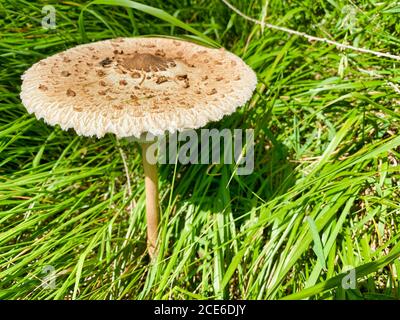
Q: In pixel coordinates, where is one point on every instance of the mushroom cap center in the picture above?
(146, 62)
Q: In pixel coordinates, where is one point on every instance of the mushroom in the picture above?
(136, 86)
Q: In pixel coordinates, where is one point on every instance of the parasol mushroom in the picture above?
(136, 86)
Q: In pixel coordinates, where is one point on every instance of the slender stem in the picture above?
(152, 210)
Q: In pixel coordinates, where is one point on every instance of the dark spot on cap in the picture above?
(123, 82)
(100, 73)
(135, 75)
(161, 79)
(105, 62)
(160, 53)
(103, 83)
(213, 91)
(71, 93)
(182, 77)
(65, 73)
(78, 109)
(186, 84)
(219, 78)
(43, 87)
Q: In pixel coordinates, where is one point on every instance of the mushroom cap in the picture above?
(134, 86)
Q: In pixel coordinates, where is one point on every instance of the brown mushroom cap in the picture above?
(132, 86)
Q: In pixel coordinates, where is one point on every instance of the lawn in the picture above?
(322, 206)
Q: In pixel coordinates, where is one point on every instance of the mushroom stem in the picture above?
(152, 210)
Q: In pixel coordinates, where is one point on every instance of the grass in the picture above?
(324, 196)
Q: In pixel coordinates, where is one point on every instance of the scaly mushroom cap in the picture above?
(133, 86)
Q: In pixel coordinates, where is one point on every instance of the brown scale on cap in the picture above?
(160, 53)
(105, 62)
(100, 73)
(212, 92)
(182, 77)
(161, 79)
(136, 75)
(71, 93)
